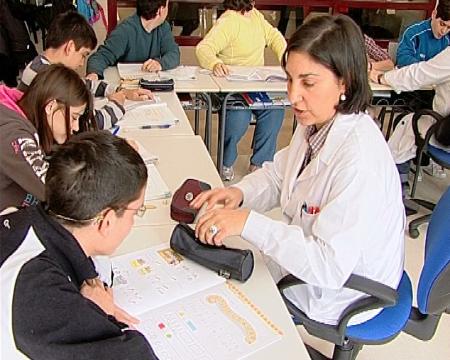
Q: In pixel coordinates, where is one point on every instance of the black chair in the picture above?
(439, 156)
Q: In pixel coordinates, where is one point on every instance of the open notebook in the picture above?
(156, 186)
(242, 73)
(148, 116)
(131, 71)
(187, 311)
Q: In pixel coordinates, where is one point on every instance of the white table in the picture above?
(180, 158)
(181, 128)
(260, 288)
(233, 87)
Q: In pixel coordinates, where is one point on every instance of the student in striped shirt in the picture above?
(69, 41)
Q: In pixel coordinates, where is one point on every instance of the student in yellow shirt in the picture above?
(239, 38)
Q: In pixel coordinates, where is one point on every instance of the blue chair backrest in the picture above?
(435, 276)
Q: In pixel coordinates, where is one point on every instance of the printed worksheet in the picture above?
(219, 323)
(153, 277)
(156, 186)
(132, 71)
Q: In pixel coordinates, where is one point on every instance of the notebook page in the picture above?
(156, 186)
(157, 114)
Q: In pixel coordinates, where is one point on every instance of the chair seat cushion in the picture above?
(389, 322)
(442, 157)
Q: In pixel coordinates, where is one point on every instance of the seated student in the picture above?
(143, 37)
(239, 38)
(378, 57)
(32, 122)
(54, 305)
(69, 41)
(435, 71)
(336, 183)
(424, 40)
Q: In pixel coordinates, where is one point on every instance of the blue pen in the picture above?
(165, 126)
(115, 130)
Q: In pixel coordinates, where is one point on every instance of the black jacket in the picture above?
(44, 316)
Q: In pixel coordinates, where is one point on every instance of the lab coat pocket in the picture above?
(307, 222)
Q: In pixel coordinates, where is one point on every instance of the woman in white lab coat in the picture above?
(342, 210)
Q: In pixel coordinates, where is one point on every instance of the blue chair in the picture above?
(439, 156)
(433, 298)
(433, 290)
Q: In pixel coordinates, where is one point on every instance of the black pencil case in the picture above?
(157, 85)
(227, 262)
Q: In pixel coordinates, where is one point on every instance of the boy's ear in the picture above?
(105, 225)
(69, 48)
(433, 14)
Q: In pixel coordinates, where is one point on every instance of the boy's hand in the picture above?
(118, 97)
(92, 76)
(138, 94)
(221, 70)
(152, 65)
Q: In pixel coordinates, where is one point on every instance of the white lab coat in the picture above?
(435, 71)
(360, 226)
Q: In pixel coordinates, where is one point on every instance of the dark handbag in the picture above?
(157, 85)
(227, 262)
(179, 207)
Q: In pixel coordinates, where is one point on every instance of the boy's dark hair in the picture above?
(238, 5)
(148, 8)
(443, 10)
(59, 83)
(70, 26)
(91, 172)
(336, 42)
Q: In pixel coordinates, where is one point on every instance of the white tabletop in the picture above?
(260, 288)
(182, 127)
(246, 86)
(180, 158)
(203, 83)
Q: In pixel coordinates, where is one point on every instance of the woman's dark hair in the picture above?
(336, 42)
(59, 83)
(149, 8)
(91, 172)
(238, 5)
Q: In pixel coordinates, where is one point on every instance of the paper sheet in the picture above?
(157, 115)
(156, 187)
(129, 71)
(242, 73)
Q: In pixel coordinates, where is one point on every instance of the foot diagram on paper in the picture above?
(249, 331)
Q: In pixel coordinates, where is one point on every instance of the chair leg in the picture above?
(347, 351)
(414, 225)
(416, 175)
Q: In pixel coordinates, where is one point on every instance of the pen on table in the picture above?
(115, 130)
(149, 206)
(145, 127)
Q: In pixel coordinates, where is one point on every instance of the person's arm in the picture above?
(274, 39)
(109, 53)
(217, 39)
(52, 320)
(108, 115)
(407, 53)
(384, 65)
(425, 73)
(327, 257)
(100, 88)
(170, 52)
(23, 161)
(262, 188)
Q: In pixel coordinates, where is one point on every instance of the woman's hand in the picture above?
(373, 75)
(229, 197)
(95, 291)
(215, 225)
(221, 70)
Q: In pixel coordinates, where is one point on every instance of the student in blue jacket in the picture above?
(144, 37)
(424, 40)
